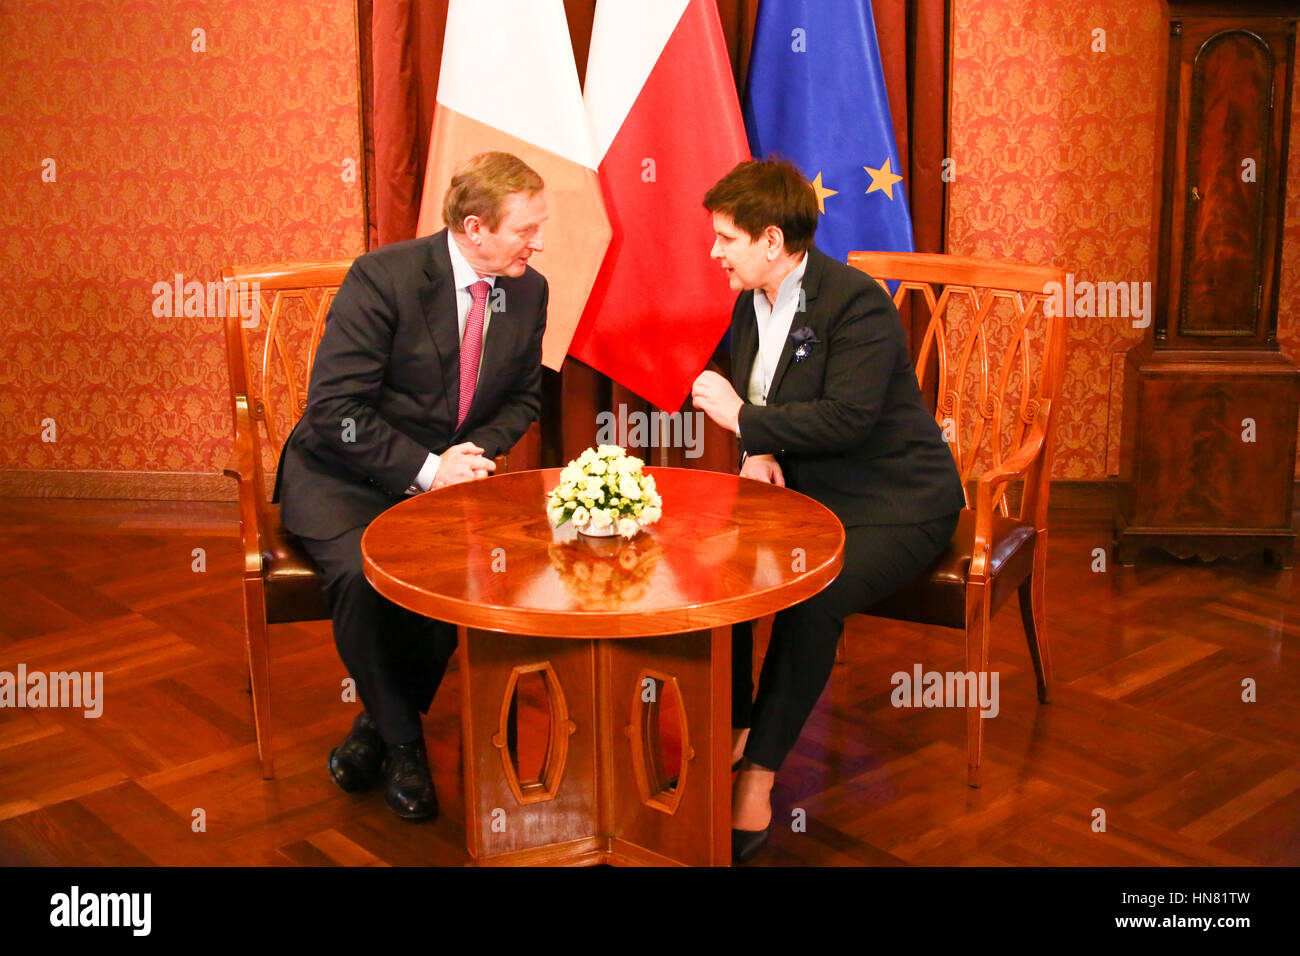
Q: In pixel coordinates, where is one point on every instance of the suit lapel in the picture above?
(812, 276)
(501, 340)
(787, 352)
(438, 302)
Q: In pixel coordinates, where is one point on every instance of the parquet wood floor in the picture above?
(1147, 722)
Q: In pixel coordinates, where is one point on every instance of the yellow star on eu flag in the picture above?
(822, 193)
(883, 178)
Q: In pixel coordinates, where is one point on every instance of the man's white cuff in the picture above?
(424, 480)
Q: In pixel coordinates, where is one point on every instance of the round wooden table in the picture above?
(617, 630)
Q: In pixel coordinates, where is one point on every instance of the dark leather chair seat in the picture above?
(293, 583)
(940, 597)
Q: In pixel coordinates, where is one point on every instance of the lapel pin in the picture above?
(806, 339)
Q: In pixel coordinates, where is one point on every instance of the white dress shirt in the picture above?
(464, 276)
(774, 323)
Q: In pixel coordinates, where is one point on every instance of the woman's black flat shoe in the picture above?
(745, 844)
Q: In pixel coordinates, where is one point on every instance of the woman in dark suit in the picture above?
(824, 400)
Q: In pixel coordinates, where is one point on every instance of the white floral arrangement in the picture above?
(603, 491)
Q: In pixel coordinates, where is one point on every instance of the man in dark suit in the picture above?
(428, 368)
(832, 409)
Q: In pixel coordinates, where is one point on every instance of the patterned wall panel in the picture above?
(133, 149)
(167, 159)
(1054, 141)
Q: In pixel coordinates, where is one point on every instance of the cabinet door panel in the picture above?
(1227, 172)
(1215, 452)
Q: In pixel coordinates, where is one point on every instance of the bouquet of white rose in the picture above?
(603, 491)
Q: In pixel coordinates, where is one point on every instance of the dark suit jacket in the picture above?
(389, 360)
(847, 423)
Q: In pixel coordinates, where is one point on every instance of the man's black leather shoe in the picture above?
(355, 763)
(408, 785)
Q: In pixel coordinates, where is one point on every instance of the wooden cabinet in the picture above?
(1210, 403)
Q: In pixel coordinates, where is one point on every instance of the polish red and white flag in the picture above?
(667, 125)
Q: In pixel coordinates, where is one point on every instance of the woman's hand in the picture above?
(714, 396)
(763, 468)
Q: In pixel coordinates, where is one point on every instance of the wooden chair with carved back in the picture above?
(998, 361)
(270, 358)
(268, 395)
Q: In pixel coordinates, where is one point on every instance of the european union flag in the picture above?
(816, 95)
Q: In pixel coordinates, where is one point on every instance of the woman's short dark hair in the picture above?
(768, 192)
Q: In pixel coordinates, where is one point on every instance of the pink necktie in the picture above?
(471, 347)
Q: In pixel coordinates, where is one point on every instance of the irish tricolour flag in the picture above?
(508, 82)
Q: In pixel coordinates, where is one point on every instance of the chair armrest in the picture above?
(1019, 461)
(242, 468)
(1015, 466)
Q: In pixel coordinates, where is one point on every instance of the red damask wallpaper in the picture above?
(141, 140)
(1054, 145)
